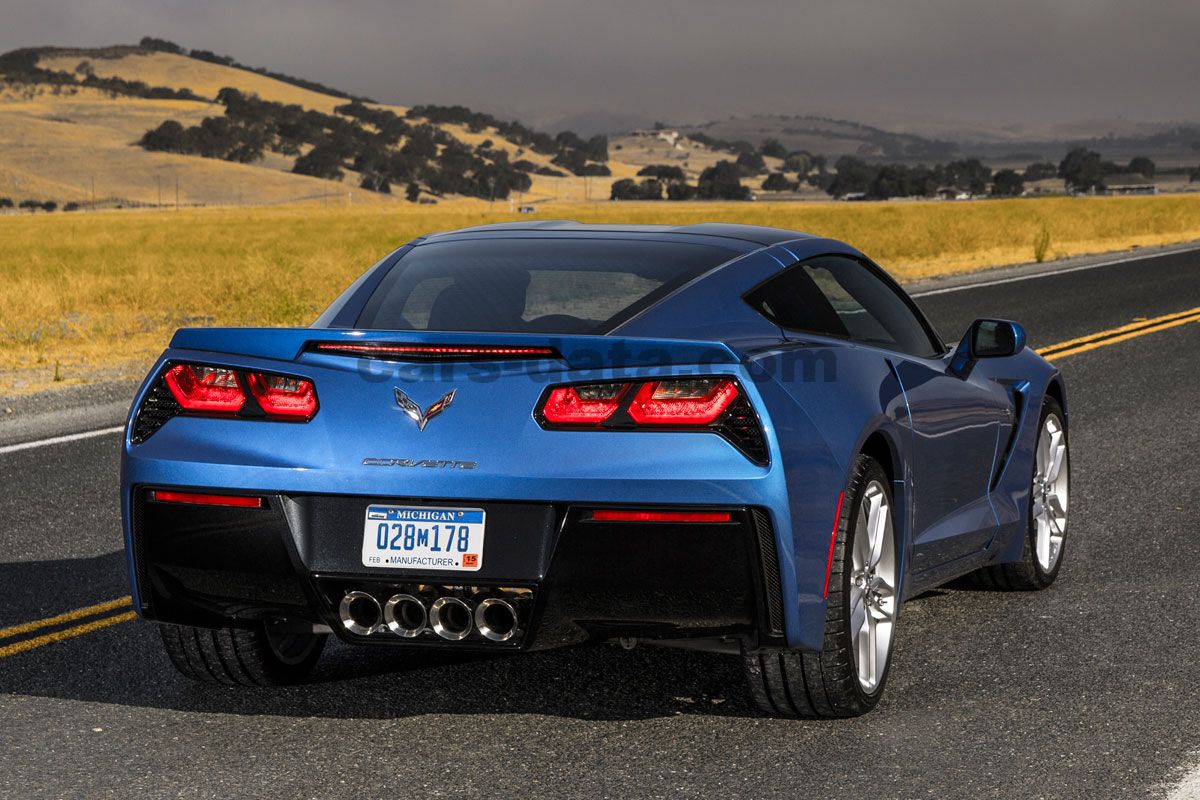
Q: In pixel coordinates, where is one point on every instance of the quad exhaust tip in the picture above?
(450, 618)
(405, 615)
(360, 613)
(496, 619)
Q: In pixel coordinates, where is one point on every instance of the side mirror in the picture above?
(996, 338)
(987, 338)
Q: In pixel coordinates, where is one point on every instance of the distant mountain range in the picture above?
(157, 124)
(912, 139)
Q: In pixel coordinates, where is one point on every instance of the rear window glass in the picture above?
(532, 285)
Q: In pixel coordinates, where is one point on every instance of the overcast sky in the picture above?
(1003, 61)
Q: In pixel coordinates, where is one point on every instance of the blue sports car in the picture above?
(532, 435)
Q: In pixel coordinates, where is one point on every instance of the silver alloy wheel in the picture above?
(1050, 484)
(873, 587)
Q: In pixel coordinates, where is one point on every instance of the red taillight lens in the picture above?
(689, 401)
(715, 403)
(198, 499)
(589, 404)
(199, 388)
(281, 396)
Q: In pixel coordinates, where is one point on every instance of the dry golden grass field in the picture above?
(89, 296)
(65, 146)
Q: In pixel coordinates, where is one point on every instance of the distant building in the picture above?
(952, 193)
(662, 134)
(1129, 183)
(1046, 186)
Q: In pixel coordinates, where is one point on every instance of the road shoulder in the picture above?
(58, 412)
(1030, 270)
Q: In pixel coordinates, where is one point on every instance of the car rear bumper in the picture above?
(576, 579)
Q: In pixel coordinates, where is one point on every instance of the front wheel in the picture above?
(847, 677)
(270, 654)
(1046, 526)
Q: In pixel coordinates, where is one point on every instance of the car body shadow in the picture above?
(125, 664)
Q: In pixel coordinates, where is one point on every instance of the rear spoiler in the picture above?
(577, 352)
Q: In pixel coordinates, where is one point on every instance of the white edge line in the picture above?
(71, 437)
(1050, 273)
(1188, 788)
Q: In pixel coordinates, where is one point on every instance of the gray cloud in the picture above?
(1021, 61)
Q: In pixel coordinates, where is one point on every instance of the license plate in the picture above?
(423, 537)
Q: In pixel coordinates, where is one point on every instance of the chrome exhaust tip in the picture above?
(405, 615)
(450, 618)
(496, 618)
(360, 613)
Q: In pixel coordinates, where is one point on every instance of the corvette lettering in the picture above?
(424, 462)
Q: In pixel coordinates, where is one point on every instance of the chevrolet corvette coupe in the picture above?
(533, 435)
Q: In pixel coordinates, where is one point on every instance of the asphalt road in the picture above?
(1087, 690)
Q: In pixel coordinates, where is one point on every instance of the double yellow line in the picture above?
(99, 616)
(91, 614)
(1133, 330)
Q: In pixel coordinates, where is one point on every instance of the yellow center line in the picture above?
(65, 633)
(1119, 334)
(70, 616)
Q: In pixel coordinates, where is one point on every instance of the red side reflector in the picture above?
(633, 515)
(281, 396)
(837, 517)
(200, 388)
(694, 401)
(424, 351)
(192, 498)
(583, 405)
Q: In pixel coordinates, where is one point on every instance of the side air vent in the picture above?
(1018, 412)
(739, 424)
(139, 552)
(768, 558)
(158, 406)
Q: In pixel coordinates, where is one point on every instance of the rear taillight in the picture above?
(215, 391)
(713, 404)
(282, 396)
(696, 401)
(586, 404)
(201, 388)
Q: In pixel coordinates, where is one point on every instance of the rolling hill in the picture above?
(920, 140)
(157, 125)
(71, 121)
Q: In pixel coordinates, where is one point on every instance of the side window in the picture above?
(793, 300)
(838, 296)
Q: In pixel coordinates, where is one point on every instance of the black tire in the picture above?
(792, 683)
(242, 656)
(1027, 574)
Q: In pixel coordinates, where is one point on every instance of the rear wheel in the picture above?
(847, 677)
(1045, 537)
(270, 654)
